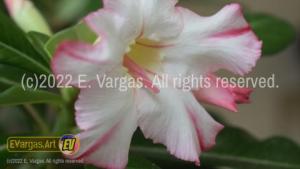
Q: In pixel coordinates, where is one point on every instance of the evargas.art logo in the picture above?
(69, 144)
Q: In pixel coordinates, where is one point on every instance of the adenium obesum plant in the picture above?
(143, 38)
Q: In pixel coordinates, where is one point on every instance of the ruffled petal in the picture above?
(161, 19)
(221, 94)
(156, 19)
(222, 41)
(115, 27)
(79, 61)
(108, 120)
(175, 119)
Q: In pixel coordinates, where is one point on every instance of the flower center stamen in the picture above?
(142, 61)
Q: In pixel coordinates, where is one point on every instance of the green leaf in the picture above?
(234, 149)
(276, 34)
(62, 13)
(69, 11)
(138, 162)
(78, 32)
(64, 121)
(16, 95)
(2, 6)
(10, 75)
(135, 162)
(16, 50)
(2, 148)
(38, 41)
(10, 116)
(3, 154)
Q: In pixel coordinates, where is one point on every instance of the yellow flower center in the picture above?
(145, 54)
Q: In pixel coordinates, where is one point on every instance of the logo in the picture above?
(33, 144)
(69, 144)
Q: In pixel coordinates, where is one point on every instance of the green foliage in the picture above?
(16, 95)
(2, 6)
(234, 149)
(10, 75)
(138, 162)
(16, 50)
(78, 32)
(3, 153)
(63, 13)
(73, 10)
(38, 41)
(238, 149)
(276, 34)
(134, 162)
(64, 121)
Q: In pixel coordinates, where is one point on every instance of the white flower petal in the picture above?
(97, 103)
(175, 118)
(115, 27)
(223, 41)
(85, 61)
(161, 19)
(155, 19)
(108, 120)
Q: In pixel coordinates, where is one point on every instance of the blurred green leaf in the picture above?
(38, 41)
(63, 13)
(238, 149)
(134, 162)
(3, 154)
(16, 95)
(14, 121)
(78, 32)
(276, 34)
(16, 50)
(234, 149)
(68, 11)
(2, 149)
(2, 6)
(10, 75)
(64, 121)
(138, 162)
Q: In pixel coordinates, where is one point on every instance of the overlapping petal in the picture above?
(108, 119)
(222, 41)
(222, 94)
(83, 60)
(161, 20)
(176, 119)
(113, 26)
(155, 19)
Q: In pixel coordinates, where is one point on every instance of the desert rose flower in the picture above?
(27, 16)
(143, 38)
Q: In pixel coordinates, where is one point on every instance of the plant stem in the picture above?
(37, 118)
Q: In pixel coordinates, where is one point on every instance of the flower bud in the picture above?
(27, 17)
